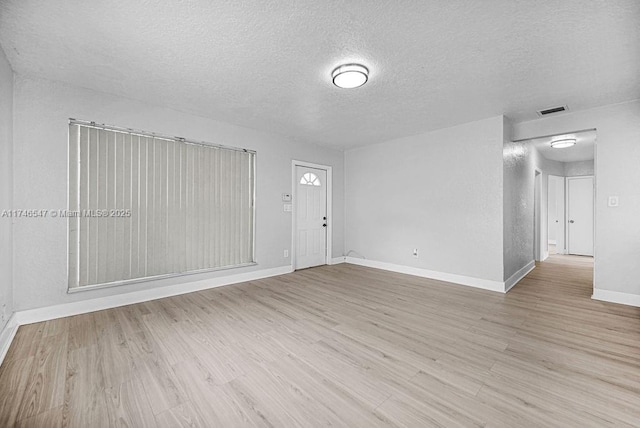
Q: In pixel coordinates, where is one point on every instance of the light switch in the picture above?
(287, 207)
(286, 197)
(613, 201)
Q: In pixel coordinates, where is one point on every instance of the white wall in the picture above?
(617, 236)
(576, 169)
(42, 110)
(440, 192)
(6, 184)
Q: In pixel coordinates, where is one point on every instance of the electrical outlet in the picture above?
(415, 253)
(286, 253)
(613, 201)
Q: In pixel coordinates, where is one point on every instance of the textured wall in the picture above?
(617, 236)
(576, 169)
(517, 206)
(42, 109)
(440, 192)
(6, 183)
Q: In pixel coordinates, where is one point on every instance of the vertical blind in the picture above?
(144, 206)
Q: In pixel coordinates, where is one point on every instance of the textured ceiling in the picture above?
(266, 64)
(583, 150)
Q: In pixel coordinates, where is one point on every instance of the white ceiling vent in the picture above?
(552, 110)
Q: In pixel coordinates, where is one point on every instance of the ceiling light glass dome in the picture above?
(350, 76)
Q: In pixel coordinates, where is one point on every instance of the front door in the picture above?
(311, 217)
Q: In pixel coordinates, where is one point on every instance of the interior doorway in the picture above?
(311, 234)
(564, 185)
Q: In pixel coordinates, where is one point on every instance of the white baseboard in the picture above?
(7, 335)
(337, 260)
(616, 297)
(485, 284)
(516, 277)
(81, 307)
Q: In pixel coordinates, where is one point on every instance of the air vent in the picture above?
(552, 110)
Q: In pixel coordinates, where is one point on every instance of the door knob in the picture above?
(571, 221)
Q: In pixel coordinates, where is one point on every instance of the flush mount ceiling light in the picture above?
(564, 143)
(350, 76)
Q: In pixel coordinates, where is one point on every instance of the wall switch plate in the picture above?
(613, 201)
(415, 252)
(286, 207)
(286, 253)
(286, 197)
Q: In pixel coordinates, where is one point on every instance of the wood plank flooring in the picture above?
(342, 346)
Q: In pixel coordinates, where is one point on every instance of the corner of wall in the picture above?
(507, 129)
(6, 202)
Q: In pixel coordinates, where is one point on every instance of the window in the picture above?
(310, 179)
(144, 206)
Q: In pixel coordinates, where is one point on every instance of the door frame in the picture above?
(567, 214)
(294, 189)
(538, 246)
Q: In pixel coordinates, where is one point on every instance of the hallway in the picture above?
(559, 275)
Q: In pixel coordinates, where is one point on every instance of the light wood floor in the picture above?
(337, 345)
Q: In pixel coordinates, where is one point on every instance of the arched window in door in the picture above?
(310, 179)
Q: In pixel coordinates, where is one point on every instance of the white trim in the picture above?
(516, 277)
(79, 289)
(84, 306)
(294, 186)
(485, 284)
(616, 297)
(337, 260)
(7, 335)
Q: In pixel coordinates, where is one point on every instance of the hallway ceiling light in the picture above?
(350, 76)
(564, 143)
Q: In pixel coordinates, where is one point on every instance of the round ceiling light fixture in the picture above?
(564, 143)
(350, 76)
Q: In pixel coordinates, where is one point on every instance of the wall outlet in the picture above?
(613, 201)
(415, 253)
(286, 253)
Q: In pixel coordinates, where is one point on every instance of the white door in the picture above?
(556, 213)
(580, 215)
(311, 217)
